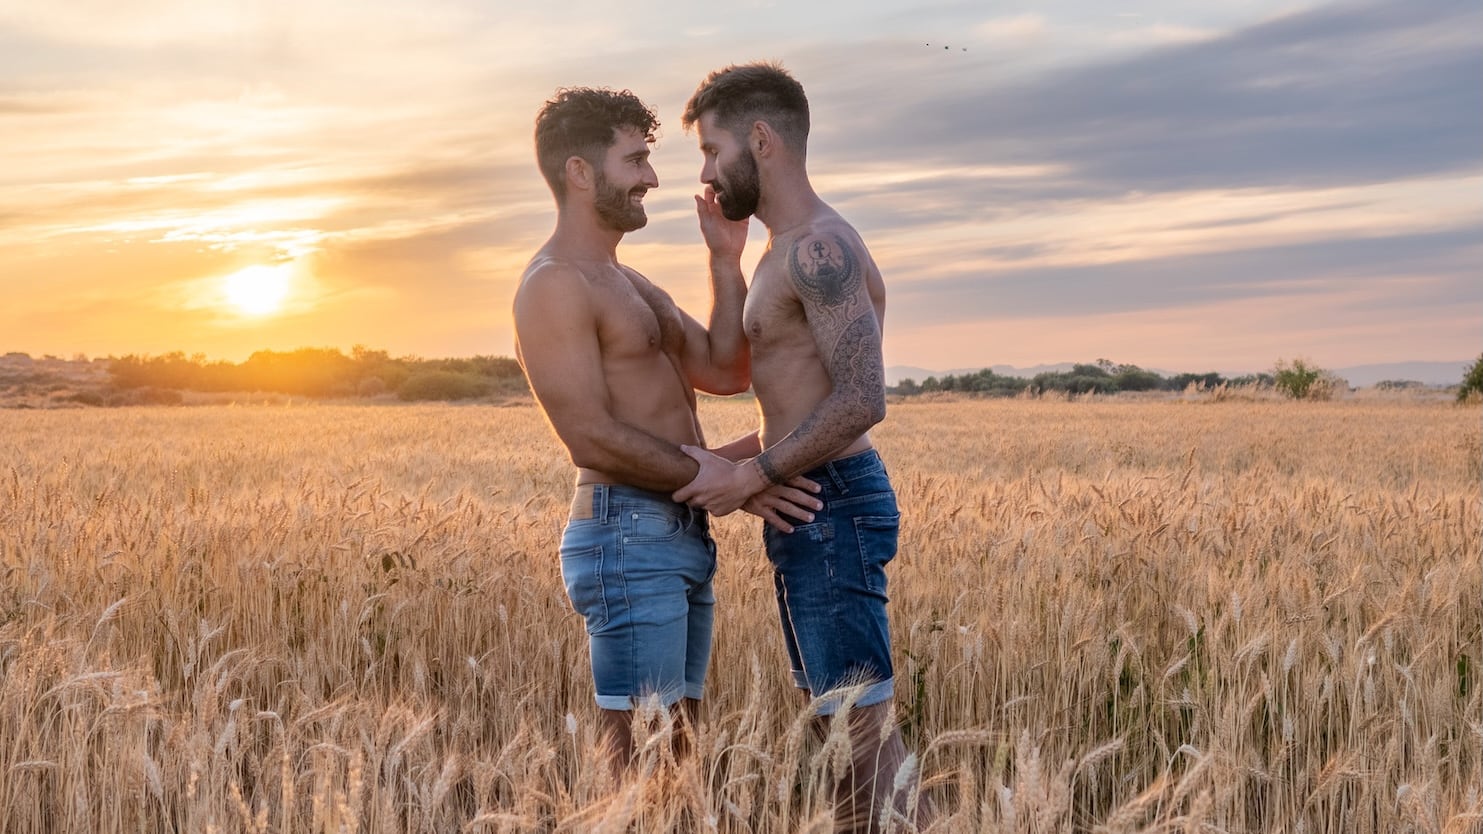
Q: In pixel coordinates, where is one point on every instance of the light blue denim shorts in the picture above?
(830, 581)
(638, 568)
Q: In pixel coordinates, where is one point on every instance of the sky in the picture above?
(1180, 186)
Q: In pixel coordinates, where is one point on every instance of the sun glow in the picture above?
(258, 290)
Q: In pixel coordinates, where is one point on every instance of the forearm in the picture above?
(834, 424)
(727, 359)
(741, 448)
(633, 457)
(720, 362)
(728, 341)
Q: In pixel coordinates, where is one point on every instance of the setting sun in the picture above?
(258, 290)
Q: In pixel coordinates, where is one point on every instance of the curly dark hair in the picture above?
(743, 93)
(580, 121)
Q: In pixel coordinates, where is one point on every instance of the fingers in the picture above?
(797, 505)
(800, 482)
(777, 523)
(768, 515)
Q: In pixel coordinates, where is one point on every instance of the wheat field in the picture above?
(1108, 616)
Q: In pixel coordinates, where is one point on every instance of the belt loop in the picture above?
(600, 502)
(839, 481)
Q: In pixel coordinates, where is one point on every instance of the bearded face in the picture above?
(620, 208)
(739, 189)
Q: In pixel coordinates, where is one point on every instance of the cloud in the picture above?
(1017, 27)
(1401, 271)
(1343, 93)
(1069, 160)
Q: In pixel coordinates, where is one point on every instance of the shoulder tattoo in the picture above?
(825, 269)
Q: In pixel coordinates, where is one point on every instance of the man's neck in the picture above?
(788, 201)
(581, 236)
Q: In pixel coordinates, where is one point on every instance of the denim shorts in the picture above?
(638, 568)
(830, 581)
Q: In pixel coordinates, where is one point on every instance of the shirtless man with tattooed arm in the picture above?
(813, 318)
(613, 362)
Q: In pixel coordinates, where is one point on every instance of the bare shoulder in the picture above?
(827, 261)
(545, 269)
(546, 280)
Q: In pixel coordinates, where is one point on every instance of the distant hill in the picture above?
(1431, 373)
(1359, 376)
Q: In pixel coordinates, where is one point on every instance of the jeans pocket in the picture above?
(877, 537)
(581, 572)
(806, 546)
(643, 525)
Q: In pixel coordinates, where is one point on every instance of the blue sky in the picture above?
(1182, 186)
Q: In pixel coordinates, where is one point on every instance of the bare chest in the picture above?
(636, 317)
(772, 314)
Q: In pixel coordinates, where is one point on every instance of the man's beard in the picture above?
(614, 208)
(740, 189)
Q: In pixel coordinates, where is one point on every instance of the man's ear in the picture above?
(762, 138)
(579, 174)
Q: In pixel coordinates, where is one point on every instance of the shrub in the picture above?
(1472, 381)
(1299, 379)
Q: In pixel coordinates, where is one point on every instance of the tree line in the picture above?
(330, 373)
(1101, 377)
(324, 372)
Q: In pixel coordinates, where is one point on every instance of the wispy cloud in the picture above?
(1061, 166)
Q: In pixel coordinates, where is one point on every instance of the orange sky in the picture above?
(1062, 183)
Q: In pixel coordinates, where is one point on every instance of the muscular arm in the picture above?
(557, 343)
(741, 448)
(828, 273)
(717, 358)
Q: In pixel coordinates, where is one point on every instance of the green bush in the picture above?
(1302, 380)
(1472, 380)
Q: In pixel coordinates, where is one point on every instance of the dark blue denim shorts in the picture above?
(830, 580)
(638, 568)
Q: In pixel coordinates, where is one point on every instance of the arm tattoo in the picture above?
(825, 271)
(769, 471)
(830, 279)
(859, 388)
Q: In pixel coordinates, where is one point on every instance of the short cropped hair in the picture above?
(744, 93)
(581, 121)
